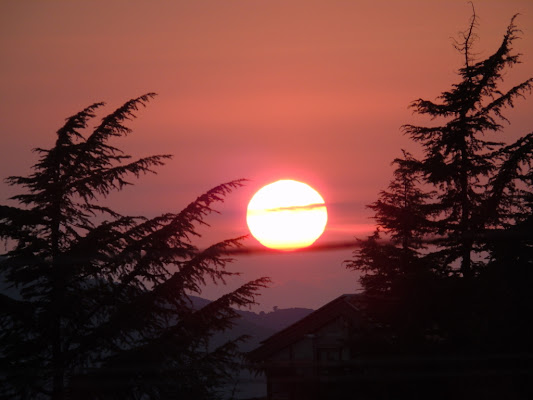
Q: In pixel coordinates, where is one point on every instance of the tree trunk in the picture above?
(464, 224)
(58, 368)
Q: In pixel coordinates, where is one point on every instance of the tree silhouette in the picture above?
(402, 212)
(98, 305)
(397, 269)
(466, 196)
(475, 191)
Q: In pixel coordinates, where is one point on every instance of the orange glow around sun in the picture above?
(287, 215)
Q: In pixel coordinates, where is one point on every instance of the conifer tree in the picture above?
(475, 190)
(401, 213)
(472, 195)
(98, 304)
(395, 274)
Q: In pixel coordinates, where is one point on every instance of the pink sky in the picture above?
(308, 90)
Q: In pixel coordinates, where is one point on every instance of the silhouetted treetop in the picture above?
(99, 305)
(452, 212)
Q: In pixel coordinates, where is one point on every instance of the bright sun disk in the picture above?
(287, 215)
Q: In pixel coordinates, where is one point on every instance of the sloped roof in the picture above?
(347, 305)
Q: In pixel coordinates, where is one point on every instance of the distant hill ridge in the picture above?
(259, 325)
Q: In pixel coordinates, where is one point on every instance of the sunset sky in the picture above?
(314, 91)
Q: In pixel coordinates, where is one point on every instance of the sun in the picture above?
(287, 215)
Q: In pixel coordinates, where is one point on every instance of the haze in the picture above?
(265, 90)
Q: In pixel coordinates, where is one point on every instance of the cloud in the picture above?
(297, 208)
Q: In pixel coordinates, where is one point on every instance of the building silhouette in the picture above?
(325, 355)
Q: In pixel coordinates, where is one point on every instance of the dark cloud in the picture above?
(298, 208)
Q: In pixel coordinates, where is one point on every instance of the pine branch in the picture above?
(221, 309)
(103, 181)
(71, 128)
(507, 99)
(516, 155)
(112, 125)
(17, 223)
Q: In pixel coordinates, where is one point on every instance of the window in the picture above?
(329, 354)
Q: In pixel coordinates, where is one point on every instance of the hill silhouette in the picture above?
(258, 326)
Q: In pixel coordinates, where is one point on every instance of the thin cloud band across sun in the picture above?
(306, 207)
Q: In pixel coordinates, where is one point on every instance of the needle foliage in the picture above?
(459, 216)
(97, 303)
